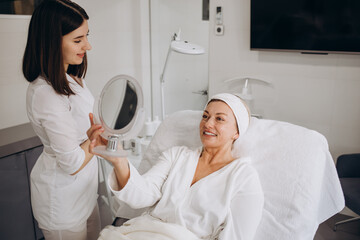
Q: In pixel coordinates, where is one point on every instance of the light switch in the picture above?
(219, 18)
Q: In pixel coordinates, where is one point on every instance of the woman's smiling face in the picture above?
(218, 125)
(75, 44)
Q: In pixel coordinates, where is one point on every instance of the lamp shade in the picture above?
(187, 48)
(246, 90)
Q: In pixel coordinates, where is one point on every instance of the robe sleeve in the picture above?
(144, 190)
(245, 211)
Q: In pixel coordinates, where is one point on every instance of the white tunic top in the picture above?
(227, 203)
(60, 200)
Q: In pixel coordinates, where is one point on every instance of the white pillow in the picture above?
(179, 129)
(295, 167)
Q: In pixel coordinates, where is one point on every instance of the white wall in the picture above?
(119, 35)
(184, 73)
(13, 33)
(315, 91)
(320, 92)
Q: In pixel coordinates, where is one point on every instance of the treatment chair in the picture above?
(296, 170)
(348, 168)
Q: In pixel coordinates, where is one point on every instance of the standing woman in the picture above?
(64, 180)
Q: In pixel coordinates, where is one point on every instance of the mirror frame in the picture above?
(122, 133)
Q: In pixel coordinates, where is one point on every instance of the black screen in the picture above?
(306, 25)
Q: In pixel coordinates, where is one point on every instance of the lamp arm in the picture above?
(162, 81)
(175, 37)
(165, 65)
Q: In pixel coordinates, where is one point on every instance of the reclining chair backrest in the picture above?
(295, 167)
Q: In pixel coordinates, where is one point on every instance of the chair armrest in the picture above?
(348, 165)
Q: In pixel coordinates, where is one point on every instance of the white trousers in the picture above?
(89, 231)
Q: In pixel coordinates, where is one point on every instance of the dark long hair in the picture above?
(51, 20)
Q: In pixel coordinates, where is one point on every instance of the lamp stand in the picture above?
(162, 81)
(183, 47)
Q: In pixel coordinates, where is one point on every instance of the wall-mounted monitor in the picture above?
(312, 26)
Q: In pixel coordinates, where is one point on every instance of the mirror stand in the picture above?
(112, 148)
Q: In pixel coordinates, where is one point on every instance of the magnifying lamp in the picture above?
(183, 47)
(246, 90)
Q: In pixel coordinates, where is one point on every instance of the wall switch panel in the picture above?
(219, 27)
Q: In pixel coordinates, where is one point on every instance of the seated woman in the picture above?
(201, 194)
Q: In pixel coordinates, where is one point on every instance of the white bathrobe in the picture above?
(226, 204)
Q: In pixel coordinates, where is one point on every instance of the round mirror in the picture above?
(120, 111)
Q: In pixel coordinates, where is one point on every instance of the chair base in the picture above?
(346, 221)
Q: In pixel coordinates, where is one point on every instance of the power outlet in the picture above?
(219, 30)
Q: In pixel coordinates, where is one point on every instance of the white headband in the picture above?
(239, 109)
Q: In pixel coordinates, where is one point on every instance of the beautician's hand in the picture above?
(95, 131)
(120, 164)
(94, 134)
